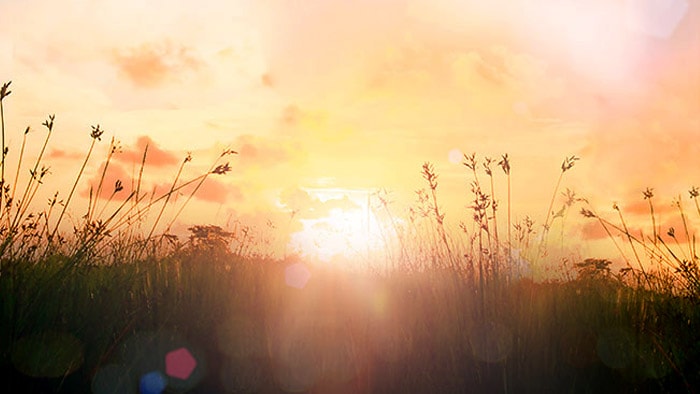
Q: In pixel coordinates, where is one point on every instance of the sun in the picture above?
(349, 235)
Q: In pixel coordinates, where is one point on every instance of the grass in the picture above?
(106, 308)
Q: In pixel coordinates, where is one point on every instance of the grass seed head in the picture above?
(505, 164)
(96, 133)
(568, 163)
(430, 175)
(470, 161)
(221, 169)
(487, 166)
(49, 122)
(4, 91)
(588, 213)
(228, 152)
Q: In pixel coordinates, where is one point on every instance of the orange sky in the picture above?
(328, 100)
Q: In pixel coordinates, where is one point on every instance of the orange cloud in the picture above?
(319, 51)
(291, 115)
(675, 226)
(267, 80)
(593, 230)
(653, 149)
(62, 154)
(155, 156)
(152, 64)
(258, 151)
(641, 207)
(114, 173)
(213, 190)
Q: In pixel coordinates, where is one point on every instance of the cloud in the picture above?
(640, 225)
(343, 203)
(311, 48)
(296, 199)
(212, 190)
(291, 115)
(592, 230)
(155, 157)
(63, 154)
(306, 206)
(455, 63)
(113, 174)
(312, 128)
(676, 223)
(216, 191)
(267, 80)
(321, 43)
(153, 64)
(640, 207)
(653, 147)
(260, 151)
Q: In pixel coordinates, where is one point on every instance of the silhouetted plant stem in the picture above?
(91, 208)
(187, 159)
(431, 177)
(4, 92)
(566, 165)
(14, 184)
(96, 135)
(629, 238)
(25, 200)
(494, 206)
(505, 165)
(648, 195)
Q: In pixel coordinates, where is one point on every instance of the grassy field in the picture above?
(108, 309)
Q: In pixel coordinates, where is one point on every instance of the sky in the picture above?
(327, 102)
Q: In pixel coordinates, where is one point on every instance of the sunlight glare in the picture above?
(348, 234)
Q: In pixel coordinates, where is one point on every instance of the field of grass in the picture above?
(108, 309)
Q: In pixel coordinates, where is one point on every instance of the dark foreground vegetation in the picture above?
(108, 309)
(102, 329)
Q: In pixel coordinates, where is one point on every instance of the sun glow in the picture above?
(347, 235)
